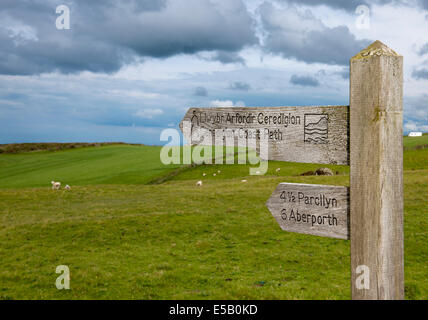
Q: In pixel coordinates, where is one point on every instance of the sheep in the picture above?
(67, 187)
(56, 185)
(244, 180)
(204, 174)
(214, 174)
(199, 183)
(278, 170)
(219, 171)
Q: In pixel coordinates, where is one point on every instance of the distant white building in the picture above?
(415, 134)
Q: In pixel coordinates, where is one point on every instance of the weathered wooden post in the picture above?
(376, 178)
(373, 217)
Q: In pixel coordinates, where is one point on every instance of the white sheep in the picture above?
(199, 183)
(56, 185)
(204, 174)
(214, 174)
(219, 171)
(67, 187)
(278, 170)
(244, 180)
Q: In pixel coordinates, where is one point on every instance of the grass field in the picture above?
(119, 164)
(411, 142)
(126, 239)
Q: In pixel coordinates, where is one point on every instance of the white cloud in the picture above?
(226, 103)
(415, 126)
(221, 103)
(17, 30)
(297, 33)
(410, 126)
(156, 92)
(131, 94)
(416, 107)
(148, 113)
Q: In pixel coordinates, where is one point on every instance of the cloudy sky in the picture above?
(126, 70)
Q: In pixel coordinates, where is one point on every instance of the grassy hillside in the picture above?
(133, 164)
(117, 164)
(49, 146)
(413, 142)
(123, 239)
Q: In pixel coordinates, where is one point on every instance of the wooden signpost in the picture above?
(311, 209)
(295, 134)
(376, 171)
(367, 135)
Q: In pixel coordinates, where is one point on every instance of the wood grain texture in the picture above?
(311, 209)
(376, 171)
(296, 134)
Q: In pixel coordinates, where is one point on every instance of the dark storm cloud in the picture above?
(104, 35)
(309, 40)
(228, 57)
(424, 49)
(306, 81)
(424, 4)
(419, 3)
(344, 73)
(37, 58)
(420, 74)
(351, 5)
(240, 86)
(200, 92)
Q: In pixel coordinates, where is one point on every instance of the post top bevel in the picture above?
(377, 48)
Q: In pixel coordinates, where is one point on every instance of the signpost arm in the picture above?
(376, 174)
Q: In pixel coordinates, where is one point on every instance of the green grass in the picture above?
(118, 164)
(412, 142)
(49, 146)
(123, 239)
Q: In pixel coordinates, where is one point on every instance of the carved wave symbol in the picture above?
(321, 124)
(317, 132)
(317, 139)
(313, 131)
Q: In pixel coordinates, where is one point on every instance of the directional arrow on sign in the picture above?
(296, 134)
(311, 209)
